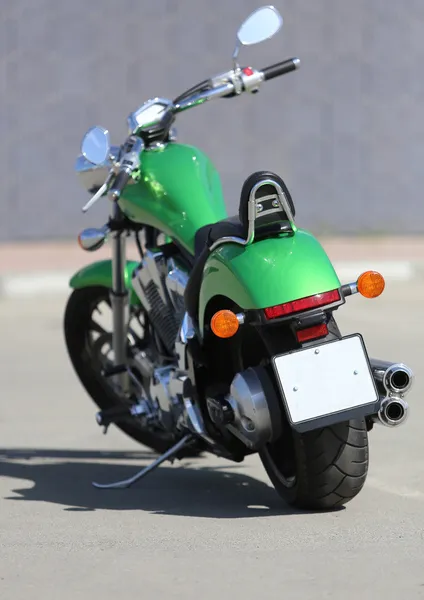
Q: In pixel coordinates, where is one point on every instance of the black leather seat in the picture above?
(236, 226)
(209, 234)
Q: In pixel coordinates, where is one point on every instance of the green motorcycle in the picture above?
(221, 337)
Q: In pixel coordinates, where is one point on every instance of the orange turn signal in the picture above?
(225, 324)
(371, 284)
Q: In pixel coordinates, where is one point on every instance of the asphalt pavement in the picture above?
(203, 528)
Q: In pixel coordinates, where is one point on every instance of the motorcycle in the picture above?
(223, 337)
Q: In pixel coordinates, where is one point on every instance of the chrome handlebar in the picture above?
(229, 84)
(235, 82)
(200, 98)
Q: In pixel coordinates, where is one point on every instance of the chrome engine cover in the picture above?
(160, 285)
(257, 413)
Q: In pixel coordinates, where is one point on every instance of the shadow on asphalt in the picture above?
(64, 477)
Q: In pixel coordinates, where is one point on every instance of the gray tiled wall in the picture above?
(346, 130)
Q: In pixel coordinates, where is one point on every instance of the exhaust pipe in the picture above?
(395, 378)
(393, 412)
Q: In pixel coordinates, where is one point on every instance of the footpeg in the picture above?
(168, 455)
(106, 417)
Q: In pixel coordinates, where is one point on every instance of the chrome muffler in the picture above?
(395, 378)
(394, 381)
(393, 412)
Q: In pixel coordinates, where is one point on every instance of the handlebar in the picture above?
(120, 182)
(201, 97)
(226, 85)
(129, 162)
(230, 84)
(280, 68)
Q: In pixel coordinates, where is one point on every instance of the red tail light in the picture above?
(312, 333)
(281, 310)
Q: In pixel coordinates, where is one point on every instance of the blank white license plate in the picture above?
(327, 383)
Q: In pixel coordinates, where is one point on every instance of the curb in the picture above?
(56, 283)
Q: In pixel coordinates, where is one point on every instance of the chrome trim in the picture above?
(202, 97)
(100, 192)
(134, 126)
(177, 279)
(173, 134)
(385, 373)
(384, 417)
(280, 195)
(159, 391)
(194, 418)
(94, 176)
(180, 351)
(226, 240)
(156, 146)
(92, 238)
(187, 329)
(151, 260)
(148, 272)
(252, 214)
(195, 421)
(269, 211)
(251, 83)
(221, 78)
(252, 419)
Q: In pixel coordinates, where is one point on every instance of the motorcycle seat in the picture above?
(211, 233)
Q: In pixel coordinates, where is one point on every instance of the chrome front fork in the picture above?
(119, 298)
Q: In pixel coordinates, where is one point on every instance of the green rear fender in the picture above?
(100, 273)
(267, 273)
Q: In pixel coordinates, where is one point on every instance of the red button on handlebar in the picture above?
(248, 71)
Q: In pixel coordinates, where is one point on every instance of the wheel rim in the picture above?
(99, 335)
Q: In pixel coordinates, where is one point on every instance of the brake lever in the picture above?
(99, 193)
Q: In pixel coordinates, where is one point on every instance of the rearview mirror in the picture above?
(259, 26)
(95, 146)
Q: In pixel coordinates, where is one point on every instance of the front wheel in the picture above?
(88, 337)
(326, 469)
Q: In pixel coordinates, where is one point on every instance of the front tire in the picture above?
(328, 467)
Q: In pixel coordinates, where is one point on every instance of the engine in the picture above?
(160, 285)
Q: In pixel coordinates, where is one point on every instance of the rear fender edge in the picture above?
(267, 273)
(100, 274)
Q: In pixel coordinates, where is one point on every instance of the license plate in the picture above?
(326, 384)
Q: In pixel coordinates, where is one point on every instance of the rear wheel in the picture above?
(88, 336)
(321, 469)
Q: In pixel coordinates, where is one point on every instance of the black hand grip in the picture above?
(120, 182)
(281, 68)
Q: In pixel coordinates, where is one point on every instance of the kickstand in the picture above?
(167, 455)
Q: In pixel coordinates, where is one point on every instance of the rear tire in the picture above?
(329, 468)
(320, 469)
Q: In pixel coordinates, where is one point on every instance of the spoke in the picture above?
(94, 326)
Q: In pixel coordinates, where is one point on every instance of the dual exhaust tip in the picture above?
(394, 381)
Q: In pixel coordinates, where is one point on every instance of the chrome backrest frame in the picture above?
(252, 214)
